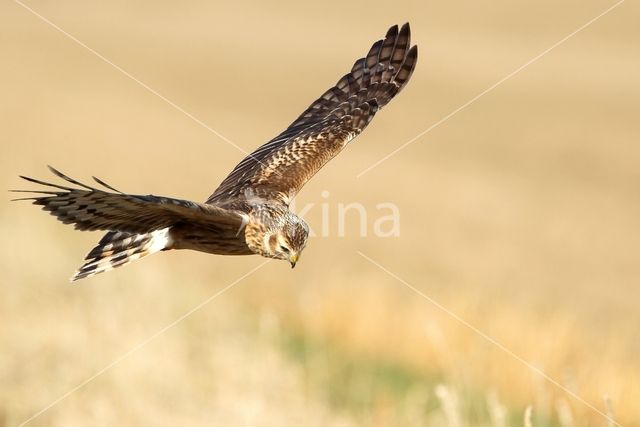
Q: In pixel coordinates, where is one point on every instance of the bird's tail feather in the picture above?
(117, 248)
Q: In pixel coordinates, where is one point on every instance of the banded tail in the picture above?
(118, 248)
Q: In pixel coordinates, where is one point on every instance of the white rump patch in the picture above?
(160, 239)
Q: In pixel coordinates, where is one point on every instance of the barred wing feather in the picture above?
(278, 169)
(89, 208)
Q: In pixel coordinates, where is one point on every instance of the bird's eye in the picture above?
(285, 249)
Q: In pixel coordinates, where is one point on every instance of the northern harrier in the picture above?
(249, 212)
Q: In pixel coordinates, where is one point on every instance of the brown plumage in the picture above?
(248, 213)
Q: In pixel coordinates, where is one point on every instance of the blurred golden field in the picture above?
(520, 214)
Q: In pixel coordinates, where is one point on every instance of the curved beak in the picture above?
(293, 259)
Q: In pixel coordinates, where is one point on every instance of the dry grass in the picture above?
(520, 214)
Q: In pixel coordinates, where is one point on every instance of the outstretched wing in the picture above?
(90, 208)
(278, 169)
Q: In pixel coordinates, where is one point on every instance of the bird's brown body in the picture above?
(212, 240)
(249, 212)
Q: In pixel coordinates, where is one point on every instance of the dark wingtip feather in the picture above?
(104, 184)
(48, 184)
(392, 32)
(412, 56)
(68, 179)
(372, 57)
(19, 199)
(405, 30)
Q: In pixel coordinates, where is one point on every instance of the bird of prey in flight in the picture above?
(249, 212)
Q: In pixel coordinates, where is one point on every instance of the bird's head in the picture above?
(287, 239)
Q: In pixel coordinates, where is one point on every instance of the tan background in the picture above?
(520, 214)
